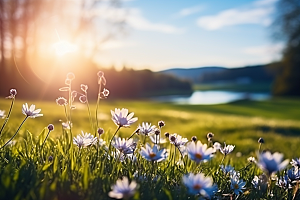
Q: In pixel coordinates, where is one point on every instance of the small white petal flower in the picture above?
(199, 184)
(31, 112)
(84, 140)
(146, 128)
(251, 159)
(199, 152)
(177, 140)
(124, 146)
(2, 115)
(271, 162)
(227, 149)
(296, 162)
(153, 154)
(122, 189)
(121, 117)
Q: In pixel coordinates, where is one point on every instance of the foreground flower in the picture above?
(177, 140)
(199, 184)
(84, 140)
(146, 128)
(121, 117)
(124, 146)
(31, 112)
(237, 185)
(199, 152)
(153, 154)
(2, 115)
(122, 189)
(271, 162)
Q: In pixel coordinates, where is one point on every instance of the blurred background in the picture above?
(196, 52)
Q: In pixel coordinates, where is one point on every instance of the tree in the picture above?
(28, 29)
(287, 28)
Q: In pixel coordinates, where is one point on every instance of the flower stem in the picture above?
(131, 135)
(90, 118)
(113, 136)
(223, 159)
(181, 155)
(15, 133)
(8, 115)
(98, 99)
(45, 139)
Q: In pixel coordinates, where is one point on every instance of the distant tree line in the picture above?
(259, 73)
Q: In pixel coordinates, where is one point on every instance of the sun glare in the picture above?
(63, 47)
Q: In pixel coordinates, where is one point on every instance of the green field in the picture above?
(240, 123)
(60, 170)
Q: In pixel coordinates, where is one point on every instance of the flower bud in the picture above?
(261, 140)
(167, 134)
(13, 92)
(157, 132)
(210, 135)
(50, 127)
(161, 124)
(194, 138)
(100, 131)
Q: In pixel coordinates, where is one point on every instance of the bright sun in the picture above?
(62, 47)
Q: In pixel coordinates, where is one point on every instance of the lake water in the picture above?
(212, 97)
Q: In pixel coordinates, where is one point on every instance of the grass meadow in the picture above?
(59, 169)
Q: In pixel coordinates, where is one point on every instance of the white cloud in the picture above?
(134, 18)
(137, 21)
(259, 12)
(189, 11)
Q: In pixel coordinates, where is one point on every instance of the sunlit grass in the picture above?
(241, 123)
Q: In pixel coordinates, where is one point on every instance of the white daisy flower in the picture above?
(84, 140)
(31, 112)
(199, 152)
(124, 146)
(146, 128)
(177, 140)
(121, 117)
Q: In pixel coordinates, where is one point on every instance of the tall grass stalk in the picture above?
(15, 133)
(8, 115)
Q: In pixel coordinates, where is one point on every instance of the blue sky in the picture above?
(161, 34)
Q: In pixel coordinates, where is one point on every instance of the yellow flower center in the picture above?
(152, 155)
(197, 187)
(198, 155)
(236, 186)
